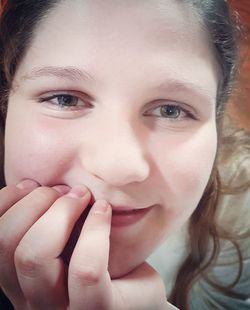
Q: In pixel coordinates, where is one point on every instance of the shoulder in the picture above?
(206, 297)
(227, 283)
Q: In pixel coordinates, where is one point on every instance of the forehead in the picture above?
(148, 21)
(114, 36)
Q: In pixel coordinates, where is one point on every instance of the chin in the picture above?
(123, 259)
(119, 269)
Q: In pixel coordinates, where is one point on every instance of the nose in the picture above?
(115, 155)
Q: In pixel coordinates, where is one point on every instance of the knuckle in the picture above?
(26, 262)
(86, 276)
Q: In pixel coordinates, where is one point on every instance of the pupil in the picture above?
(170, 111)
(66, 100)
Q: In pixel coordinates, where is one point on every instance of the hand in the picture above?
(20, 207)
(34, 228)
(90, 285)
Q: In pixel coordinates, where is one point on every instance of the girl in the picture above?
(112, 114)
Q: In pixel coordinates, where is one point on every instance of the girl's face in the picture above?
(119, 96)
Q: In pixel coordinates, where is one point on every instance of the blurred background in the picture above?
(239, 107)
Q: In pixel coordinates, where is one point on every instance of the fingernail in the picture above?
(100, 206)
(78, 191)
(27, 184)
(62, 189)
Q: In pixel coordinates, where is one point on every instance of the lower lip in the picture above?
(123, 219)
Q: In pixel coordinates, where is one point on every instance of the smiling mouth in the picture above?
(125, 218)
(122, 217)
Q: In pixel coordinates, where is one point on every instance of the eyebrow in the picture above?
(75, 74)
(186, 87)
(68, 73)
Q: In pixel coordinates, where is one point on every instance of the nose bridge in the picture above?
(118, 154)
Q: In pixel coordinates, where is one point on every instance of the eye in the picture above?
(64, 102)
(170, 111)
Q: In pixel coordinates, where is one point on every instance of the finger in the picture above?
(89, 281)
(22, 215)
(13, 225)
(40, 269)
(9, 195)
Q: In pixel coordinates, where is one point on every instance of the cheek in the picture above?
(40, 154)
(184, 166)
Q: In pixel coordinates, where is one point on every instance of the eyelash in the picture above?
(170, 107)
(64, 106)
(183, 114)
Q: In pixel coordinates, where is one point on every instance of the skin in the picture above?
(115, 141)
